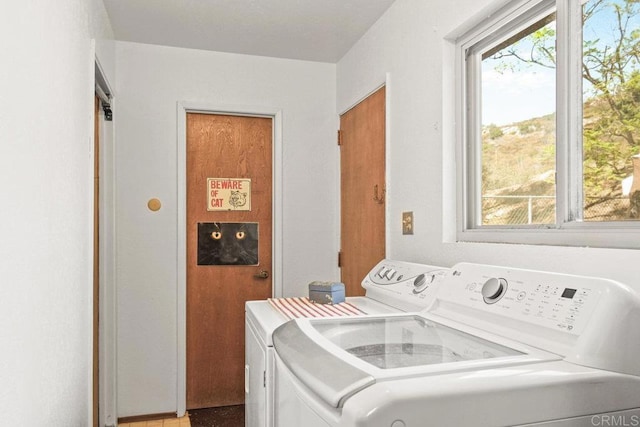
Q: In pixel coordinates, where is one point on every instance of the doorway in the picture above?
(229, 224)
(184, 107)
(362, 189)
(96, 263)
(104, 297)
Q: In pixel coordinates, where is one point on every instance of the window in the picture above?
(549, 102)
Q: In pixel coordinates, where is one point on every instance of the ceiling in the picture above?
(314, 30)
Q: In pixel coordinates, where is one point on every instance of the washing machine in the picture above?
(390, 287)
(498, 347)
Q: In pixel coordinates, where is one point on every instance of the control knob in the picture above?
(421, 282)
(494, 289)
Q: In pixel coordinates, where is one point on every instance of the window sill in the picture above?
(610, 235)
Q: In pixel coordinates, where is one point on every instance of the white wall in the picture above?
(46, 177)
(103, 36)
(408, 42)
(151, 80)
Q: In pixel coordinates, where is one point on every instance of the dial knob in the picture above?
(493, 289)
(421, 282)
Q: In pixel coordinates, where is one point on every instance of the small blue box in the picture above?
(326, 292)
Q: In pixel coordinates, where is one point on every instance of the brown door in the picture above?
(228, 252)
(362, 198)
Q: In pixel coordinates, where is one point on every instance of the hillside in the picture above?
(519, 158)
(518, 177)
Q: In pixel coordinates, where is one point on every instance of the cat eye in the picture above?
(240, 235)
(216, 235)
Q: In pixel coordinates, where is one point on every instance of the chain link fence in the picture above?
(529, 209)
(606, 209)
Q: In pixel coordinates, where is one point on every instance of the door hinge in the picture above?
(264, 379)
(339, 137)
(340, 259)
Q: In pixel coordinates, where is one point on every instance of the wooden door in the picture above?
(222, 146)
(362, 188)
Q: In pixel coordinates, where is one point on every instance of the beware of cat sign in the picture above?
(228, 194)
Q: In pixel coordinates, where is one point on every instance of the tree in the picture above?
(611, 77)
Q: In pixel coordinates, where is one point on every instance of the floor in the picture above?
(228, 416)
(170, 422)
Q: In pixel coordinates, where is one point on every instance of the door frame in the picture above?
(107, 357)
(184, 107)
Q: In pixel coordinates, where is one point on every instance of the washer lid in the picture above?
(407, 341)
(331, 378)
(338, 357)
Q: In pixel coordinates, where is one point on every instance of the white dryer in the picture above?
(391, 287)
(498, 347)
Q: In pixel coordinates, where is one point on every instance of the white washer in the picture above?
(498, 347)
(391, 287)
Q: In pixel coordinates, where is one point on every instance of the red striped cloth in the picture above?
(302, 307)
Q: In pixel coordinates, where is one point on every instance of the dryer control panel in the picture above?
(404, 285)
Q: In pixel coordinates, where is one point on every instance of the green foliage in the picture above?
(604, 165)
(612, 77)
(494, 131)
(526, 127)
(610, 137)
(612, 113)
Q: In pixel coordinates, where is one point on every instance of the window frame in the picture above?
(569, 229)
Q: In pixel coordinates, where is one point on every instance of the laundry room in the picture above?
(166, 95)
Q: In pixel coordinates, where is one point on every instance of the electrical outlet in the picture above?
(407, 222)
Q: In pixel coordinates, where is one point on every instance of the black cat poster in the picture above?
(227, 243)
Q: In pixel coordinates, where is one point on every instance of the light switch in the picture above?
(407, 222)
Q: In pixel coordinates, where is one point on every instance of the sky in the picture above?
(510, 97)
(529, 91)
